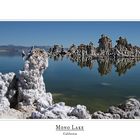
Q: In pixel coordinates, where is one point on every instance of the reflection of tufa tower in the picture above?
(124, 64)
(105, 66)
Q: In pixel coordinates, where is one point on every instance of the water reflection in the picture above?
(104, 65)
(57, 57)
(124, 64)
(86, 62)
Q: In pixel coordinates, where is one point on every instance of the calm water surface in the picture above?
(93, 87)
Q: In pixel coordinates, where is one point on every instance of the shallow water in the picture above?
(97, 86)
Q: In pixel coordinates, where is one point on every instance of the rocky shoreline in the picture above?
(25, 97)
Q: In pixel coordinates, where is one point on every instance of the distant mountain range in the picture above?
(15, 50)
(18, 48)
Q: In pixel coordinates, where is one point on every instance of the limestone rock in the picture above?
(101, 115)
(61, 111)
(116, 110)
(128, 110)
(4, 103)
(44, 101)
(131, 104)
(80, 112)
(5, 82)
(56, 111)
(37, 115)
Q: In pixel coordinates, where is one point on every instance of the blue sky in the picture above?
(66, 33)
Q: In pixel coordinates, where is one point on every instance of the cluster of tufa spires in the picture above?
(105, 49)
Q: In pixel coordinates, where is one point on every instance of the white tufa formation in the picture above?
(31, 87)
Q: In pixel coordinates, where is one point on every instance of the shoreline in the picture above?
(1, 51)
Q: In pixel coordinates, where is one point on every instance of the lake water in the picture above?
(98, 86)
